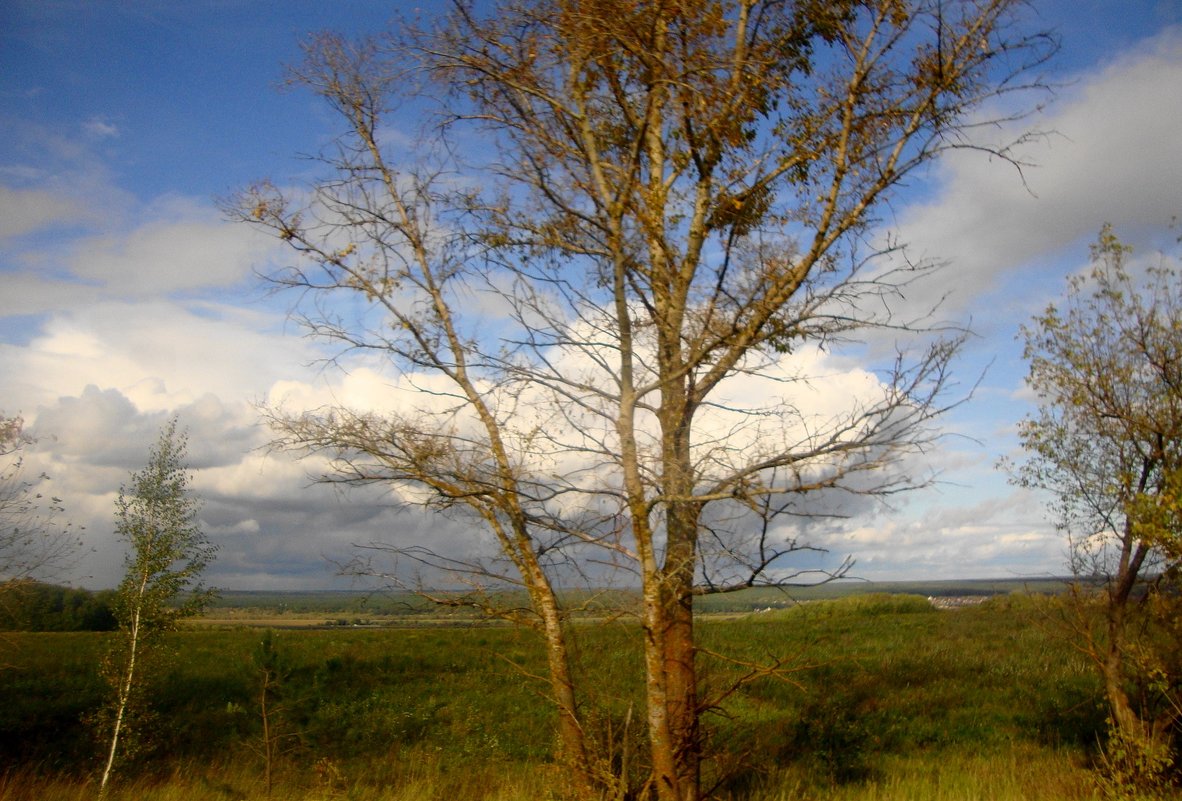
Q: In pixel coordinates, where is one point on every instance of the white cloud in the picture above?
(1115, 155)
(71, 236)
(41, 158)
(258, 507)
(23, 211)
(135, 323)
(178, 245)
(997, 537)
(100, 128)
(158, 353)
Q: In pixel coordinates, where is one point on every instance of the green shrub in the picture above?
(837, 736)
(876, 605)
(1134, 768)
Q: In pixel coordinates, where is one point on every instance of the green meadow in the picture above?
(876, 697)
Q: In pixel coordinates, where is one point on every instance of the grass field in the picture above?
(884, 698)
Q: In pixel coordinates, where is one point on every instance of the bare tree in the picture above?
(35, 543)
(611, 270)
(1107, 443)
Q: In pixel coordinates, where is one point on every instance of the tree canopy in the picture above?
(1106, 443)
(607, 275)
(1107, 437)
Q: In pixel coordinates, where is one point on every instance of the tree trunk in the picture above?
(679, 658)
(1132, 556)
(666, 777)
(122, 697)
(572, 744)
(676, 645)
(1123, 717)
(1126, 720)
(671, 680)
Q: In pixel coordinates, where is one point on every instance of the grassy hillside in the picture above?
(881, 696)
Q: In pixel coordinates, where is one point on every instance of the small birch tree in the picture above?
(157, 518)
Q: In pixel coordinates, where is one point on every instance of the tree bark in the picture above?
(680, 651)
(123, 692)
(572, 742)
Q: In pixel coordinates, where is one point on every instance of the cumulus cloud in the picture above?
(258, 507)
(998, 537)
(71, 236)
(274, 526)
(176, 247)
(1113, 154)
(160, 354)
(102, 424)
(134, 312)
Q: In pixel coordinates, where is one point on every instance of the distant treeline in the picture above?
(32, 606)
(594, 601)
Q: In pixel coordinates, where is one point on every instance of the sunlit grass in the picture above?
(421, 778)
(1022, 773)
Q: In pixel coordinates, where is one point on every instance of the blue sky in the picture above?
(126, 297)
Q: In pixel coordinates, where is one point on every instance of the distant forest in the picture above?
(33, 606)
